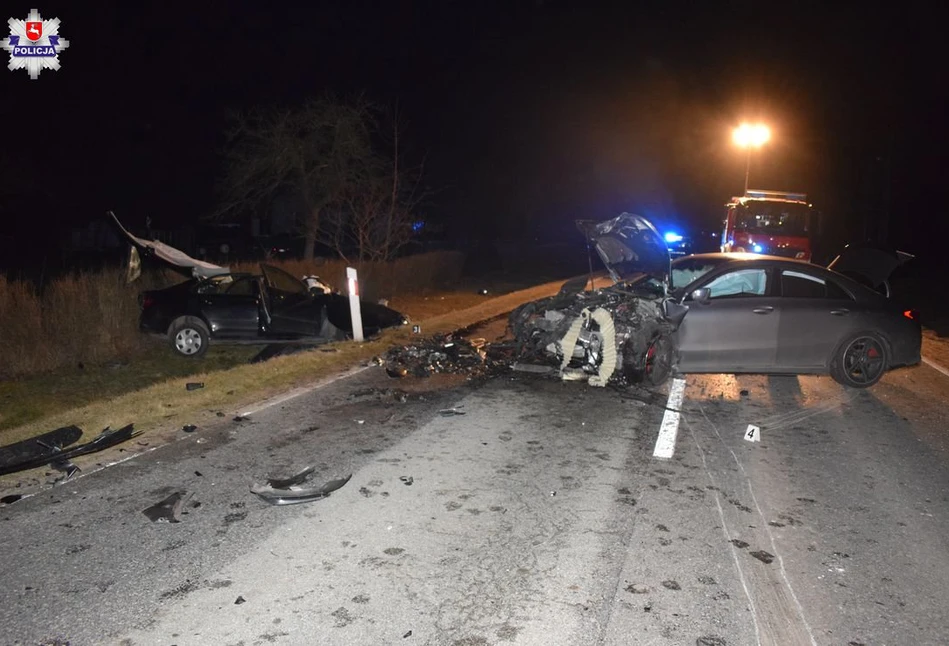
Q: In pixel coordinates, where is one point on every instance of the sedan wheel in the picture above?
(860, 362)
(658, 361)
(189, 336)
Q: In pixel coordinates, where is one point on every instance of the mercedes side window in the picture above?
(797, 284)
(742, 282)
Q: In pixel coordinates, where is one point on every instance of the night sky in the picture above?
(527, 114)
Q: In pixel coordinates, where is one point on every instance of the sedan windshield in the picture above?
(690, 268)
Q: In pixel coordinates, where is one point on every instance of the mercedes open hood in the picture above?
(629, 246)
(872, 262)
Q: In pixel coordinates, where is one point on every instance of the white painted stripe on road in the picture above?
(301, 391)
(666, 442)
(935, 366)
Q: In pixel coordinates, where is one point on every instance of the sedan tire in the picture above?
(189, 337)
(860, 361)
(660, 356)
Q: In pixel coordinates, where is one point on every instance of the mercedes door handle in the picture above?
(767, 309)
(841, 312)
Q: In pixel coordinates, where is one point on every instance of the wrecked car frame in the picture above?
(718, 313)
(623, 332)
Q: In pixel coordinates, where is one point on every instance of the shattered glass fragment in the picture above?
(167, 510)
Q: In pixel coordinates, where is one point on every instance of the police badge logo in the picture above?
(34, 44)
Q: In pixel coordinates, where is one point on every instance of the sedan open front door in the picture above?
(290, 307)
(733, 324)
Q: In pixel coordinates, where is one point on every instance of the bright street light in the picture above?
(750, 136)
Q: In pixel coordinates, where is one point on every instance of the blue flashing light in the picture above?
(418, 226)
(757, 248)
(673, 237)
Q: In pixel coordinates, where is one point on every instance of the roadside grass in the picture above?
(29, 399)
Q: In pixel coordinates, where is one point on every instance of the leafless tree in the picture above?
(375, 219)
(320, 153)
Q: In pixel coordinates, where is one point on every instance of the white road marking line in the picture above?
(935, 366)
(302, 391)
(666, 442)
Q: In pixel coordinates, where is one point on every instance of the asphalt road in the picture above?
(540, 516)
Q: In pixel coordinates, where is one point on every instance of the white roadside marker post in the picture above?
(354, 310)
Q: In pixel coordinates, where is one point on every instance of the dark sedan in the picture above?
(244, 307)
(763, 314)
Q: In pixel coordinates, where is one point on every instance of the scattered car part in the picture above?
(107, 438)
(441, 354)
(41, 448)
(10, 499)
(189, 428)
(194, 385)
(407, 480)
(286, 483)
(167, 510)
(451, 412)
(67, 468)
(292, 496)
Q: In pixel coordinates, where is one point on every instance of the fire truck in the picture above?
(776, 223)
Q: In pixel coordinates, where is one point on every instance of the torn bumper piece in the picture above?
(107, 438)
(293, 493)
(286, 483)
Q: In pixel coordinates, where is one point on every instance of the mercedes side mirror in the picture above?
(701, 295)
